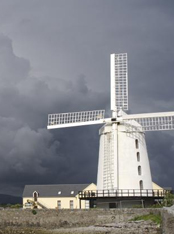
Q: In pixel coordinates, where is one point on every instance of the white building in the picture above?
(56, 196)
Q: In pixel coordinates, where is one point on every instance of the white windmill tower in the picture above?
(123, 159)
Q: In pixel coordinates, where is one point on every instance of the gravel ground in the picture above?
(135, 227)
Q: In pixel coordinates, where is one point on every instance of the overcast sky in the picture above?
(54, 57)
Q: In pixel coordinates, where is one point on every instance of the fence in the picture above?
(158, 193)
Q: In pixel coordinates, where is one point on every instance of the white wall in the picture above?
(51, 202)
(125, 160)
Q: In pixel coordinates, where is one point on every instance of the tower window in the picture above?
(141, 184)
(139, 170)
(136, 144)
(138, 156)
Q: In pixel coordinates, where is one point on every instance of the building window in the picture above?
(71, 204)
(35, 195)
(112, 205)
(136, 144)
(139, 170)
(87, 205)
(141, 184)
(59, 204)
(138, 156)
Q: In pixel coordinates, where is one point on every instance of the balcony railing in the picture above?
(89, 194)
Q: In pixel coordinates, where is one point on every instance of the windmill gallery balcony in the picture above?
(154, 193)
(123, 198)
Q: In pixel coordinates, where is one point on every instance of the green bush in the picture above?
(34, 212)
(16, 206)
(168, 199)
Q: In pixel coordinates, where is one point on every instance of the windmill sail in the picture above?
(152, 121)
(73, 119)
(119, 82)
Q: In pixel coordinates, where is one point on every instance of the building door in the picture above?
(112, 205)
(87, 204)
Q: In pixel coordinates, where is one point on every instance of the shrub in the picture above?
(16, 206)
(34, 212)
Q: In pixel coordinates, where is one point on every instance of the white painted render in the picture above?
(121, 171)
(52, 202)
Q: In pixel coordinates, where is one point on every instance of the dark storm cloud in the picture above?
(54, 57)
(30, 153)
(161, 157)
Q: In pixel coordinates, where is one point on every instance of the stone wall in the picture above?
(66, 218)
(19, 219)
(57, 219)
(168, 220)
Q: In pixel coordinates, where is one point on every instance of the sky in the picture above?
(54, 57)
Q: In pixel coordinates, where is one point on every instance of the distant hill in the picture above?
(9, 199)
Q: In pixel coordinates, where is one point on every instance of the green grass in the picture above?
(15, 206)
(153, 217)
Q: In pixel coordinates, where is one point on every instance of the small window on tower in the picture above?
(138, 156)
(136, 144)
(141, 184)
(139, 170)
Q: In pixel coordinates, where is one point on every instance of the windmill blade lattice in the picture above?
(119, 82)
(152, 121)
(73, 119)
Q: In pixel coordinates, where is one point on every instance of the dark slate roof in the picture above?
(167, 188)
(52, 190)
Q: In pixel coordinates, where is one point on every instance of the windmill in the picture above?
(123, 159)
